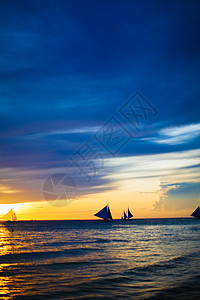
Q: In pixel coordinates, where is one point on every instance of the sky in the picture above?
(99, 103)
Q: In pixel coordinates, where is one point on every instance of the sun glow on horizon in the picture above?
(4, 208)
(159, 185)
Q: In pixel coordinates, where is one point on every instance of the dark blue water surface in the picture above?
(140, 259)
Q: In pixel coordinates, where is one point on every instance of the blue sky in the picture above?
(68, 66)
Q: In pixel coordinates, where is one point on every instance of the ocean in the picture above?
(140, 259)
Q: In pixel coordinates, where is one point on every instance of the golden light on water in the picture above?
(7, 247)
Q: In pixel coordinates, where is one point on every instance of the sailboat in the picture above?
(196, 213)
(104, 213)
(124, 216)
(10, 216)
(127, 216)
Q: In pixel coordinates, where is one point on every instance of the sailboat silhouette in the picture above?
(104, 213)
(127, 216)
(124, 216)
(196, 213)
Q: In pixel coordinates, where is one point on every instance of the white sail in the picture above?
(10, 216)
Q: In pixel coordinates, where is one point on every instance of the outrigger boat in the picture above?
(127, 216)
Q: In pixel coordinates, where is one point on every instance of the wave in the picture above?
(40, 255)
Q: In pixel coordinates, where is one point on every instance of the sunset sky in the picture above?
(75, 73)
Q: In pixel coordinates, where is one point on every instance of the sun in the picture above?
(4, 208)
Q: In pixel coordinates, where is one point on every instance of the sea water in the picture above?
(140, 259)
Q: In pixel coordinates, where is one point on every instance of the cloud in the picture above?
(82, 130)
(65, 71)
(181, 130)
(176, 135)
(5, 189)
(140, 173)
(147, 173)
(178, 196)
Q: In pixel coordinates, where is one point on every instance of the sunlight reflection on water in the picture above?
(83, 259)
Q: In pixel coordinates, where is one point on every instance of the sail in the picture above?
(129, 214)
(125, 216)
(14, 217)
(109, 216)
(196, 213)
(10, 216)
(103, 213)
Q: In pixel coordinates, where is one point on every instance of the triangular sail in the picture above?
(102, 213)
(129, 214)
(14, 217)
(196, 213)
(10, 216)
(125, 216)
(109, 216)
